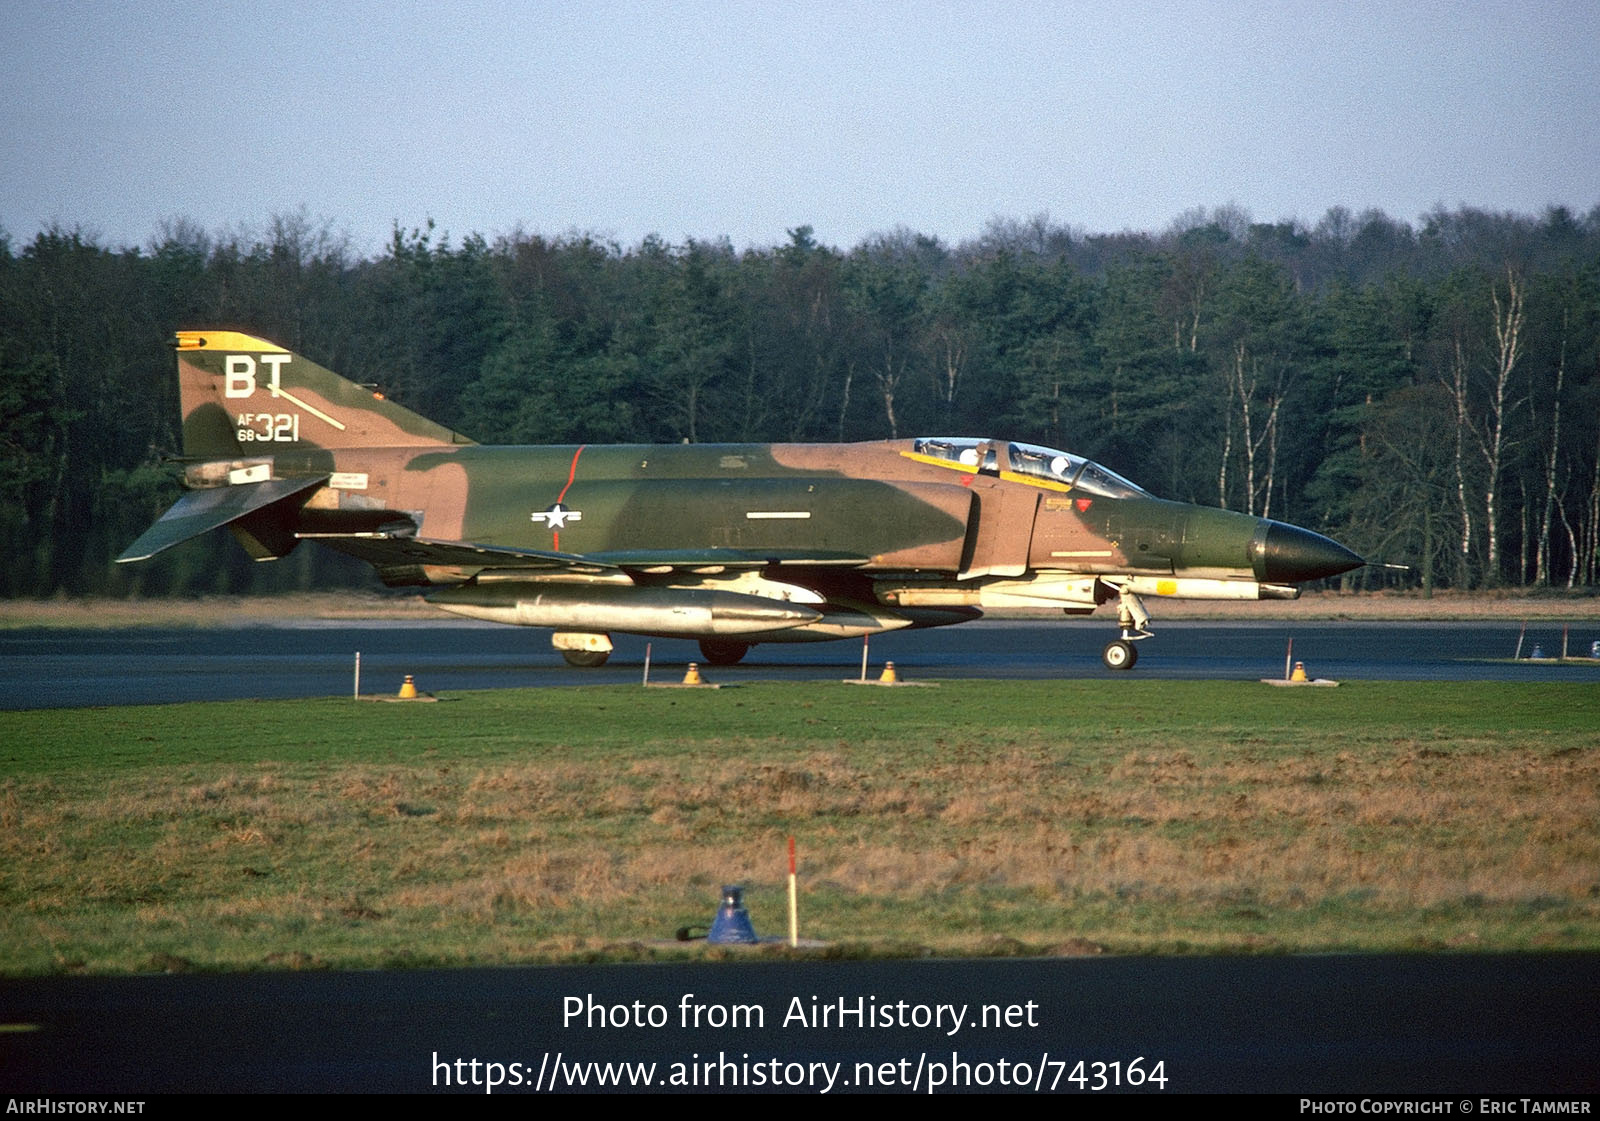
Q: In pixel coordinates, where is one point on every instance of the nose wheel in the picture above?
(1134, 622)
(1120, 654)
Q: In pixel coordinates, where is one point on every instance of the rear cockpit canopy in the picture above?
(1031, 461)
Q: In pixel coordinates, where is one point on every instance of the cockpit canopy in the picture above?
(991, 457)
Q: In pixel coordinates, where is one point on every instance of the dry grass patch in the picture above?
(1339, 832)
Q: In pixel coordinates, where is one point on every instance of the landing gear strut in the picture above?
(1134, 620)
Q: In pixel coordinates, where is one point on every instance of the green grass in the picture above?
(979, 817)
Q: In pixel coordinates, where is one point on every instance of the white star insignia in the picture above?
(558, 516)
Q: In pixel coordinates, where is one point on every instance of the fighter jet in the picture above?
(730, 544)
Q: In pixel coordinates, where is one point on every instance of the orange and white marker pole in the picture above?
(794, 902)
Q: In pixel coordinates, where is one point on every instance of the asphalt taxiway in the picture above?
(57, 668)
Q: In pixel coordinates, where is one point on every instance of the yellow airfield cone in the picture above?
(408, 689)
(1298, 676)
(890, 677)
(693, 676)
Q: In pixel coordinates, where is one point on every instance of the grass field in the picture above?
(975, 818)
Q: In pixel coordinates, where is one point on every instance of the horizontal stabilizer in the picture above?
(200, 511)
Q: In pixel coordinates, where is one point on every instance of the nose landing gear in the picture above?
(1134, 620)
(1120, 654)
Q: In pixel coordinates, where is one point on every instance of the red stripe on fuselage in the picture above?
(572, 473)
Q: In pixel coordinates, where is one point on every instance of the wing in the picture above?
(386, 551)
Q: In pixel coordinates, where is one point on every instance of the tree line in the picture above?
(1428, 393)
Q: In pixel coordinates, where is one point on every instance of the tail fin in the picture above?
(246, 396)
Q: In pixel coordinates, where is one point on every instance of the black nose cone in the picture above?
(1287, 554)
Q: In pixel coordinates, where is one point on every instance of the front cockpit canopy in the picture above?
(1031, 461)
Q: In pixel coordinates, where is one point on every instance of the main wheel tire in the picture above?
(720, 652)
(586, 659)
(1119, 654)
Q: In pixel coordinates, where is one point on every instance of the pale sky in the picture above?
(743, 119)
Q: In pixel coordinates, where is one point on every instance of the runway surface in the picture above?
(1364, 1025)
(56, 668)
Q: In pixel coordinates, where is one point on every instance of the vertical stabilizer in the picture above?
(244, 396)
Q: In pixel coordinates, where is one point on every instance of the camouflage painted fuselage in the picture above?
(779, 542)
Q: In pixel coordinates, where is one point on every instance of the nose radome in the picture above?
(1287, 554)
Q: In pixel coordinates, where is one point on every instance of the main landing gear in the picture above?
(1121, 653)
(590, 651)
(721, 652)
(586, 659)
(582, 649)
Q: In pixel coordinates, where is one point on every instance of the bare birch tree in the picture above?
(1458, 384)
(1256, 430)
(1509, 321)
(1541, 562)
